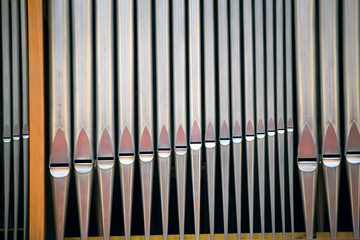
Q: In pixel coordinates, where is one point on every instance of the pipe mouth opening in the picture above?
(331, 160)
(146, 156)
(210, 143)
(164, 152)
(180, 150)
(126, 158)
(260, 136)
(307, 164)
(83, 165)
(250, 138)
(195, 146)
(59, 170)
(237, 139)
(353, 157)
(105, 162)
(224, 141)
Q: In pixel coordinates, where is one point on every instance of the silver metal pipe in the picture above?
(236, 105)
(249, 106)
(280, 104)
(270, 78)
(83, 112)
(223, 48)
(331, 156)
(289, 106)
(195, 106)
(163, 106)
(145, 107)
(125, 56)
(306, 80)
(210, 119)
(351, 21)
(260, 103)
(25, 110)
(59, 40)
(6, 100)
(105, 109)
(15, 106)
(180, 113)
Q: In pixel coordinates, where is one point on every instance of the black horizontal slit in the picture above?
(146, 152)
(307, 160)
(105, 158)
(59, 165)
(164, 149)
(353, 152)
(126, 154)
(82, 161)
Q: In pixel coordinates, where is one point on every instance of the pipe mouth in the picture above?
(271, 133)
(224, 141)
(164, 152)
(250, 138)
(260, 136)
(307, 164)
(146, 156)
(237, 139)
(105, 162)
(126, 158)
(180, 150)
(59, 170)
(210, 144)
(195, 146)
(83, 165)
(331, 160)
(353, 157)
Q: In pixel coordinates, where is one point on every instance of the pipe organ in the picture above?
(238, 118)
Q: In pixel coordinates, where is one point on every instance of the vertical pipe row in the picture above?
(126, 109)
(224, 134)
(6, 101)
(83, 110)
(180, 109)
(105, 109)
(145, 108)
(351, 79)
(210, 119)
(59, 62)
(306, 100)
(195, 106)
(236, 104)
(260, 103)
(163, 105)
(249, 105)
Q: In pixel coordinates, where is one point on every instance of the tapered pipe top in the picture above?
(270, 65)
(280, 65)
(289, 64)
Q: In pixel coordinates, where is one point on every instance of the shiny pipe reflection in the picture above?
(210, 133)
(145, 108)
(59, 49)
(83, 112)
(236, 105)
(306, 93)
(6, 100)
(351, 79)
(329, 72)
(195, 106)
(163, 105)
(180, 110)
(260, 103)
(105, 109)
(270, 78)
(125, 56)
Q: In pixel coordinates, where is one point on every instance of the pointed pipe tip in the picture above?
(146, 143)
(210, 132)
(195, 134)
(353, 140)
(307, 147)
(126, 142)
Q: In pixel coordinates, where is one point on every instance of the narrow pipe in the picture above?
(329, 70)
(195, 106)
(224, 134)
(260, 103)
(105, 108)
(210, 122)
(25, 111)
(306, 100)
(280, 126)
(249, 105)
(270, 78)
(15, 106)
(351, 58)
(180, 111)
(236, 105)
(125, 56)
(163, 105)
(60, 156)
(83, 112)
(289, 106)
(145, 108)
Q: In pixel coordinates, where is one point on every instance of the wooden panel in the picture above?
(36, 105)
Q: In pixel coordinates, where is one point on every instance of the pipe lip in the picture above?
(307, 165)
